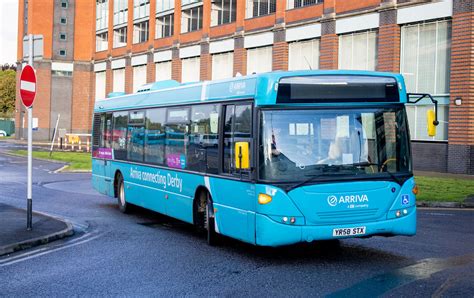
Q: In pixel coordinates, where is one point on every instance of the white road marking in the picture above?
(46, 250)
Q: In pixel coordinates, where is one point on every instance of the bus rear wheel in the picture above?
(124, 207)
(209, 223)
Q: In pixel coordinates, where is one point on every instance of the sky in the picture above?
(8, 31)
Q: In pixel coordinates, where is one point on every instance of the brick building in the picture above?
(119, 45)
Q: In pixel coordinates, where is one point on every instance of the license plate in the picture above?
(342, 232)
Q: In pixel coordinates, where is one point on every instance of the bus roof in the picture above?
(261, 87)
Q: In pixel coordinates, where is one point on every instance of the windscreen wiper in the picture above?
(368, 164)
(324, 169)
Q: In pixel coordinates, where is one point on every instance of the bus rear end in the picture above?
(334, 160)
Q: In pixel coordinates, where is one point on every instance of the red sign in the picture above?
(28, 86)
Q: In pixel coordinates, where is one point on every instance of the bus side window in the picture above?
(237, 128)
(177, 138)
(136, 135)
(119, 135)
(204, 138)
(155, 136)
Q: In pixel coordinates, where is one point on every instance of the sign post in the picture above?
(28, 94)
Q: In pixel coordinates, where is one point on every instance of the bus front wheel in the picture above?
(122, 203)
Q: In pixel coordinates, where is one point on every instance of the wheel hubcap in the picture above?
(122, 195)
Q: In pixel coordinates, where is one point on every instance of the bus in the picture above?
(269, 159)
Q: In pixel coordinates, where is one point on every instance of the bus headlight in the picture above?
(264, 199)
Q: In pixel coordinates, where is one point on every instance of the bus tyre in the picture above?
(212, 237)
(123, 205)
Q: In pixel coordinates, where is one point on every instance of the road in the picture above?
(145, 254)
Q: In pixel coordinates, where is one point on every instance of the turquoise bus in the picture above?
(270, 159)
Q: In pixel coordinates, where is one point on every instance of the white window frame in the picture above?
(308, 62)
(100, 92)
(352, 35)
(187, 14)
(219, 72)
(402, 56)
(101, 42)
(160, 25)
(219, 6)
(118, 34)
(190, 76)
(290, 4)
(271, 8)
(141, 9)
(163, 71)
(260, 67)
(138, 28)
(102, 14)
(120, 12)
(118, 84)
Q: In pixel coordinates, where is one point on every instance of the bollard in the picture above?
(59, 142)
(87, 145)
(80, 147)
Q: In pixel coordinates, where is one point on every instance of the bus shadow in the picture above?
(330, 251)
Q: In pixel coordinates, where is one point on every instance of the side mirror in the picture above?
(242, 157)
(430, 119)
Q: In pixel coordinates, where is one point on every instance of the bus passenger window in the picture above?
(204, 138)
(119, 135)
(136, 135)
(237, 128)
(177, 134)
(155, 136)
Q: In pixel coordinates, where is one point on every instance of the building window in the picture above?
(62, 36)
(119, 80)
(140, 32)
(162, 71)
(164, 5)
(259, 60)
(101, 41)
(222, 65)
(102, 14)
(64, 3)
(425, 62)
(63, 21)
(425, 57)
(62, 53)
(301, 3)
(120, 12)
(139, 77)
(256, 8)
(303, 55)
(223, 12)
(100, 85)
(191, 18)
(120, 37)
(141, 9)
(190, 69)
(358, 50)
(164, 26)
(61, 73)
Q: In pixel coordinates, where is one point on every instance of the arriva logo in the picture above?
(333, 200)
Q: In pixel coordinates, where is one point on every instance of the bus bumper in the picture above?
(272, 233)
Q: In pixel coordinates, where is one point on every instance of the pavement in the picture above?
(13, 233)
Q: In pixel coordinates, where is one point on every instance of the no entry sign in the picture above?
(28, 86)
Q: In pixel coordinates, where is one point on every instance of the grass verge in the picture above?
(434, 189)
(76, 160)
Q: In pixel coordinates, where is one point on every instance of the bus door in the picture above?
(235, 196)
(106, 148)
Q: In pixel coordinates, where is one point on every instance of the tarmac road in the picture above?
(148, 254)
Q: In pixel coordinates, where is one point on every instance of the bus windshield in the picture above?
(298, 144)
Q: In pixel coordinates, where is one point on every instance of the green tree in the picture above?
(7, 93)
